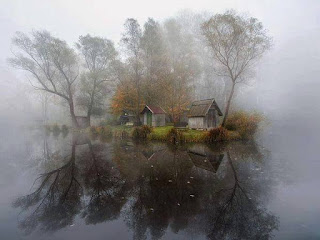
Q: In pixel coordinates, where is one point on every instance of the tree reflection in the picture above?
(56, 200)
(211, 190)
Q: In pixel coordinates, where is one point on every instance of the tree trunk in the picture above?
(228, 106)
(89, 113)
(138, 123)
(73, 116)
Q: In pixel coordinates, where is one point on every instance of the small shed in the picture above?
(153, 116)
(204, 114)
(127, 117)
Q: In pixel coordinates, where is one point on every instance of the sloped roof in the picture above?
(201, 108)
(154, 109)
(207, 162)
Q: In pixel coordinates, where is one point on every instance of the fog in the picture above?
(286, 79)
(285, 86)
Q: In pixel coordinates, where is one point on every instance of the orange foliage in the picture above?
(125, 97)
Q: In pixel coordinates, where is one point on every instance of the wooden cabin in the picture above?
(153, 116)
(204, 114)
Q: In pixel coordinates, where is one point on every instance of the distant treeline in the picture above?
(168, 64)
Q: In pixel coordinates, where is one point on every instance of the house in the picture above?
(153, 116)
(204, 114)
(127, 117)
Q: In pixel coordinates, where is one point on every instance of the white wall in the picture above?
(196, 122)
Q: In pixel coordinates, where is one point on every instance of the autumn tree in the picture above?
(237, 42)
(131, 40)
(183, 69)
(51, 63)
(99, 56)
(124, 98)
(155, 64)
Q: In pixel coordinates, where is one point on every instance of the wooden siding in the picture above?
(158, 120)
(196, 122)
(207, 122)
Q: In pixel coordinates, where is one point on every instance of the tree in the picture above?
(99, 55)
(183, 66)
(51, 63)
(125, 98)
(155, 64)
(236, 42)
(131, 39)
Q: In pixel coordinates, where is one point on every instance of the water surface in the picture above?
(71, 186)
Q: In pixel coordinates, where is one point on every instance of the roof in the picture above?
(154, 109)
(209, 163)
(201, 108)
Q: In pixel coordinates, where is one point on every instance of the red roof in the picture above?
(155, 110)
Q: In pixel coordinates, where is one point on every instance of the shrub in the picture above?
(175, 136)
(217, 134)
(122, 134)
(246, 124)
(111, 120)
(47, 128)
(103, 123)
(55, 128)
(64, 128)
(141, 132)
(105, 131)
(93, 130)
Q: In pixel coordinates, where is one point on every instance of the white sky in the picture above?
(294, 26)
(68, 19)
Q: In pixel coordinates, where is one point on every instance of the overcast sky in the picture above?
(292, 64)
(68, 19)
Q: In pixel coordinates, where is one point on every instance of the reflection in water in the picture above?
(154, 188)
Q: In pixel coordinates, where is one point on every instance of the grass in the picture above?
(189, 135)
(160, 133)
(165, 133)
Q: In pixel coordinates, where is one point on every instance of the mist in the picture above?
(288, 72)
(283, 86)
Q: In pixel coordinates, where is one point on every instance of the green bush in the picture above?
(55, 128)
(141, 132)
(111, 121)
(64, 128)
(217, 135)
(93, 130)
(104, 123)
(175, 136)
(245, 123)
(47, 128)
(105, 131)
(122, 134)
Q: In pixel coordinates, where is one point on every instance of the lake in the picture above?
(71, 186)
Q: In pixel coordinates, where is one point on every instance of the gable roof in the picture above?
(201, 108)
(208, 162)
(154, 109)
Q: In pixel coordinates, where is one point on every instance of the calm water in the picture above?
(74, 187)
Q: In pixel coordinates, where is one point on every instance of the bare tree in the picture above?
(51, 63)
(99, 55)
(236, 42)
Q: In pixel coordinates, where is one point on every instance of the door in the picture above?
(211, 121)
(149, 118)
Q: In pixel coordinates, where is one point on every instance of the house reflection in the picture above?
(209, 162)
